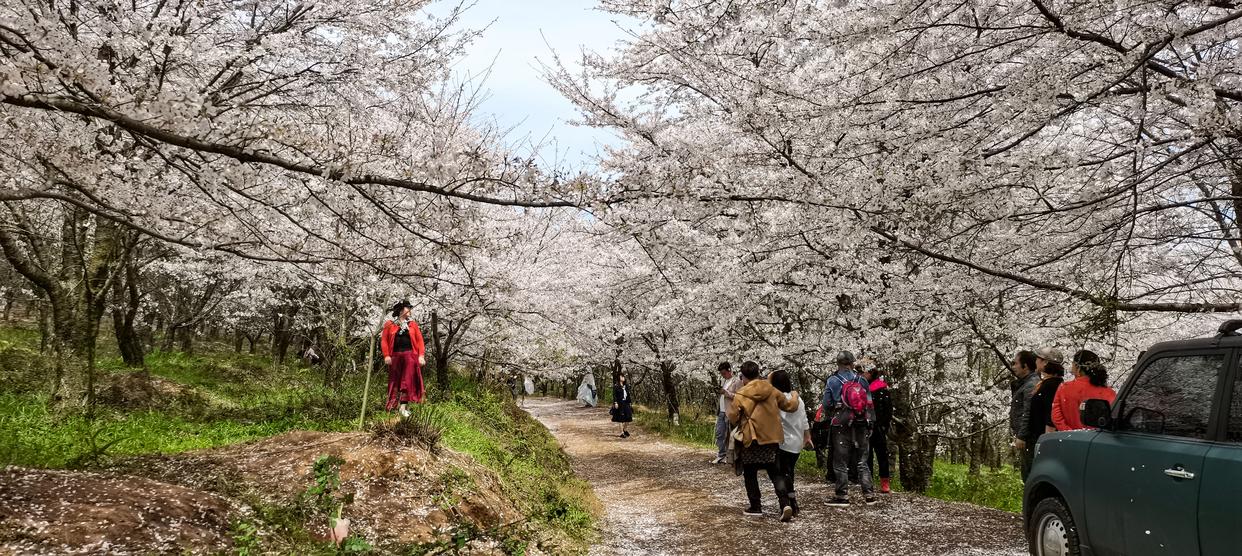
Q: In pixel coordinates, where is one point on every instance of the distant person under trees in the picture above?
(402, 344)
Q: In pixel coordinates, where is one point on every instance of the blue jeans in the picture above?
(722, 433)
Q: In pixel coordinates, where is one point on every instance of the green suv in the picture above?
(1163, 472)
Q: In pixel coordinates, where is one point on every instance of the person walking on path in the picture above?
(1021, 388)
(883, 402)
(401, 342)
(847, 402)
(727, 390)
(1090, 383)
(756, 410)
(586, 390)
(622, 406)
(797, 432)
(1039, 408)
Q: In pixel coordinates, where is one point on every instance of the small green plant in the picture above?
(245, 538)
(93, 450)
(323, 495)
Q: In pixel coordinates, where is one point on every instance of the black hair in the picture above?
(780, 381)
(1085, 357)
(1096, 373)
(725, 366)
(1026, 358)
(750, 370)
(1054, 368)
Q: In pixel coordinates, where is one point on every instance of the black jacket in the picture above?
(1040, 414)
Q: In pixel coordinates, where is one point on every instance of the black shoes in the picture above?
(625, 434)
(840, 502)
(753, 512)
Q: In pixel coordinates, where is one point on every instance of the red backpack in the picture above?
(855, 407)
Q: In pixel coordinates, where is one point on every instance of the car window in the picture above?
(1234, 432)
(1173, 396)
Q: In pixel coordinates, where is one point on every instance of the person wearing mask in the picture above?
(797, 431)
(1039, 409)
(847, 402)
(883, 402)
(401, 342)
(1090, 383)
(622, 406)
(727, 390)
(1021, 388)
(756, 411)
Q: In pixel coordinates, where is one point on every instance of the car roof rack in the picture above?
(1229, 328)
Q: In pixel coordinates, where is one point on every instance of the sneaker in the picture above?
(625, 434)
(793, 504)
(404, 411)
(840, 502)
(870, 500)
(719, 459)
(786, 514)
(884, 487)
(753, 512)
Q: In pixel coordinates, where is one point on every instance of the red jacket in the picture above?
(389, 336)
(1070, 396)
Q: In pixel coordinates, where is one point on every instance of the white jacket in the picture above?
(794, 425)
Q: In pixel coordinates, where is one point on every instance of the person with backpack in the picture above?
(883, 403)
(848, 405)
(756, 412)
(797, 431)
(1090, 383)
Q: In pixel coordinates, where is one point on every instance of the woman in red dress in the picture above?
(402, 344)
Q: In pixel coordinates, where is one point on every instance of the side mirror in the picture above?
(1096, 414)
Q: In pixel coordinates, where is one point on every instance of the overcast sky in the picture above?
(520, 32)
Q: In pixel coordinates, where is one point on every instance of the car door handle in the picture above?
(1179, 473)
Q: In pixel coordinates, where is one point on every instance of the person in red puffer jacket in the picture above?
(1090, 383)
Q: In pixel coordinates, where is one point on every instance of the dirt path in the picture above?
(665, 498)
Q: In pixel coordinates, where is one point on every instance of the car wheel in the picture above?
(1052, 530)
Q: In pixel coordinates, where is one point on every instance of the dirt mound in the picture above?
(402, 494)
(63, 512)
(140, 389)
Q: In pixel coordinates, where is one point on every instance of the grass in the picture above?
(1000, 489)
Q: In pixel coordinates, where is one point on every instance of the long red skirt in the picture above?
(405, 380)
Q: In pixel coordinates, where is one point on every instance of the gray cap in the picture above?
(845, 358)
(1050, 353)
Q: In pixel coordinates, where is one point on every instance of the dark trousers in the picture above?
(787, 462)
(1027, 455)
(851, 446)
(879, 450)
(750, 475)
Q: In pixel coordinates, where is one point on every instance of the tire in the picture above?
(1052, 531)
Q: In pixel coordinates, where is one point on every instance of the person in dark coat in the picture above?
(883, 401)
(1039, 412)
(622, 406)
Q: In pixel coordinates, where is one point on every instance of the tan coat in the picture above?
(758, 406)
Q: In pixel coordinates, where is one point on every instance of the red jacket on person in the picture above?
(1065, 405)
(389, 336)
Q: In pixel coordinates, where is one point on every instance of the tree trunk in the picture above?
(670, 391)
(128, 342)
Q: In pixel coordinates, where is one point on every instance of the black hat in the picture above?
(396, 309)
